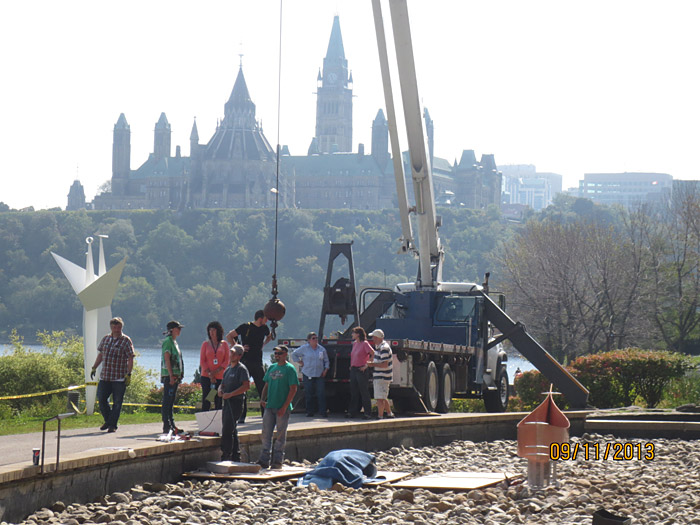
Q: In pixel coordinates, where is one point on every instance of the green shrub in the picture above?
(682, 391)
(23, 372)
(653, 371)
(600, 374)
(529, 387)
(142, 382)
(188, 394)
(6, 411)
(614, 379)
(26, 372)
(467, 405)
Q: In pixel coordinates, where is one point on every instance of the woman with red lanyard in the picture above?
(362, 353)
(213, 359)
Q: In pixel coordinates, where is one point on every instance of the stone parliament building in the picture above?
(237, 166)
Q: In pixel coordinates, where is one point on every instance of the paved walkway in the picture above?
(17, 448)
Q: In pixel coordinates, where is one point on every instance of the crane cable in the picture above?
(274, 291)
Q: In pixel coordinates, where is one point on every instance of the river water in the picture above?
(149, 358)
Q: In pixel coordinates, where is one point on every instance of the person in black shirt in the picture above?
(234, 385)
(253, 337)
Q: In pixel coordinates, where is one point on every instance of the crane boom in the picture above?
(430, 252)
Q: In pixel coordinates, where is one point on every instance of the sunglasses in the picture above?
(280, 353)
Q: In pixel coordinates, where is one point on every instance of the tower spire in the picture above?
(334, 97)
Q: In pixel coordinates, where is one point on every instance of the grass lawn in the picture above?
(26, 424)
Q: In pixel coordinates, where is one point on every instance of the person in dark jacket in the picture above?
(234, 385)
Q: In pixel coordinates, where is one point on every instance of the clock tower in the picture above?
(334, 98)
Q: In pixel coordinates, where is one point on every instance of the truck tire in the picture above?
(431, 388)
(447, 388)
(497, 400)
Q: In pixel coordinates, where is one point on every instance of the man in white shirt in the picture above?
(383, 373)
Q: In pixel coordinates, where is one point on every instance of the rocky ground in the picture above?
(663, 490)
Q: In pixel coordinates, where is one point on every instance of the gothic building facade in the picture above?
(237, 167)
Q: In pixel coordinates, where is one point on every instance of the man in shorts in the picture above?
(383, 373)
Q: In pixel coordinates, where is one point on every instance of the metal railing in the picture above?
(58, 418)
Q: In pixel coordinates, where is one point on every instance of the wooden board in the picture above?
(264, 475)
(389, 477)
(454, 481)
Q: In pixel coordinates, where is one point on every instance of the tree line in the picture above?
(582, 277)
(201, 265)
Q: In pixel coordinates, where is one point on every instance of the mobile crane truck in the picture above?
(445, 336)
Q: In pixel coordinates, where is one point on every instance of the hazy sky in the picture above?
(571, 87)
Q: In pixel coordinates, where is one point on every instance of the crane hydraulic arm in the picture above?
(429, 250)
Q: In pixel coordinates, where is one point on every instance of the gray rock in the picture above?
(209, 504)
(403, 495)
(58, 507)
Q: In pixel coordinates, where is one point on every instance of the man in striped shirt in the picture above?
(116, 354)
(383, 373)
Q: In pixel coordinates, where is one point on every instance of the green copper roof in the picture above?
(164, 167)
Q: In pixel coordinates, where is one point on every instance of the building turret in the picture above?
(313, 147)
(76, 197)
(239, 111)
(380, 139)
(161, 138)
(429, 132)
(121, 155)
(334, 97)
(194, 140)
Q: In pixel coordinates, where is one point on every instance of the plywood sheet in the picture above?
(264, 475)
(454, 481)
(389, 477)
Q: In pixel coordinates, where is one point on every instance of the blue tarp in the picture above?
(349, 467)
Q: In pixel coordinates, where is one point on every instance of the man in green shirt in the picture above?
(172, 371)
(281, 383)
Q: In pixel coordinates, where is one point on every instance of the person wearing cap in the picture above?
(314, 363)
(383, 373)
(172, 371)
(281, 383)
(253, 335)
(116, 354)
(235, 383)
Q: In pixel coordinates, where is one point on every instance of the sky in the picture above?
(570, 87)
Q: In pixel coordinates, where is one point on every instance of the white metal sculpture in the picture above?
(96, 293)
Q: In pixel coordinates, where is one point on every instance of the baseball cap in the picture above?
(171, 325)
(377, 333)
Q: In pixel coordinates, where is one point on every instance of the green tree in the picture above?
(133, 303)
(203, 306)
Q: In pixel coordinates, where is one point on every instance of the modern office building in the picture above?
(627, 189)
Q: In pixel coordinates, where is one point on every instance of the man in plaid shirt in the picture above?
(116, 354)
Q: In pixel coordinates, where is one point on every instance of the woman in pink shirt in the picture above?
(213, 360)
(362, 353)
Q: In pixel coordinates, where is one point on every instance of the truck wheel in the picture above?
(497, 400)
(447, 388)
(432, 387)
